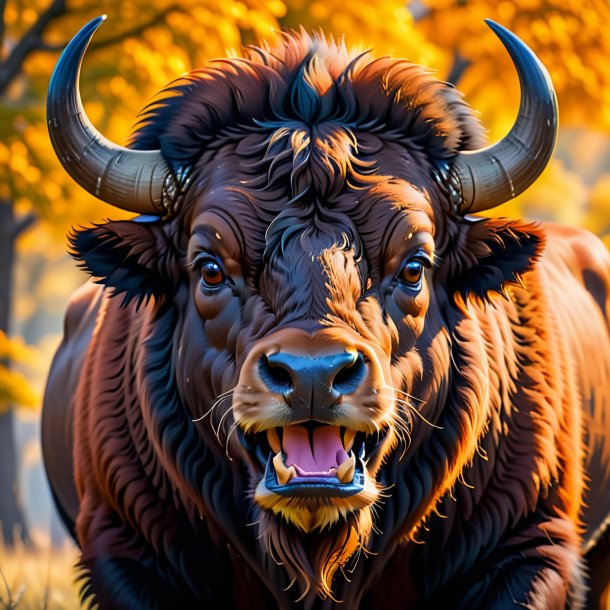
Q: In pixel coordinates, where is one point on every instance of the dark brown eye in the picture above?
(411, 273)
(212, 275)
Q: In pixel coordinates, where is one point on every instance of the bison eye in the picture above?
(212, 275)
(412, 272)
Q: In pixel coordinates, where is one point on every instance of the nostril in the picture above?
(350, 376)
(277, 378)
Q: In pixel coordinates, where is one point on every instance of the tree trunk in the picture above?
(11, 512)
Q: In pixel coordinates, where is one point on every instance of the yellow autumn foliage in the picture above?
(387, 28)
(597, 217)
(14, 349)
(559, 195)
(14, 386)
(569, 36)
(142, 47)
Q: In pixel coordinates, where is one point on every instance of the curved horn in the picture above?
(138, 181)
(493, 175)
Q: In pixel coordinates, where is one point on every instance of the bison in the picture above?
(306, 375)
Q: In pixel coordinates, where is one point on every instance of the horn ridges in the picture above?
(138, 181)
(493, 175)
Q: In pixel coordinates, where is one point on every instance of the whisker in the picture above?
(217, 402)
(228, 392)
(388, 387)
(253, 523)
(402, 431)
(222, 418)
(233, 428)
(412, 409)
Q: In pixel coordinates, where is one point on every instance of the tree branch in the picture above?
(418, 10)
(135, 31)
(2, 26)
(458, 67)
(28, 43)
(120, 37)
(23, 223)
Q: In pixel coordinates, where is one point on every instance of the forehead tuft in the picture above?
(316, 93)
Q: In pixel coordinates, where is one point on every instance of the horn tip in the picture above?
(95, 23)
(497, 28)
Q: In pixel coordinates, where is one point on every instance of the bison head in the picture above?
(306, 282)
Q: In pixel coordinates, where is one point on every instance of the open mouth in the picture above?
(314, 459)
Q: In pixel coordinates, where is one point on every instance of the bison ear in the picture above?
(134, 258)
(493, 253)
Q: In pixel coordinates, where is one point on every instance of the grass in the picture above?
(38, 579)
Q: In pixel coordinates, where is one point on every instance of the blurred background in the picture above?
(147, 43)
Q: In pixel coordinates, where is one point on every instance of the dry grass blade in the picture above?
(38, 580)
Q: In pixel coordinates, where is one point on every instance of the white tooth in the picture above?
(274, 440)
(284, 474)
(348, 439)
(345, 472)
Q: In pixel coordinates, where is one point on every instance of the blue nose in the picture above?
(312, 381)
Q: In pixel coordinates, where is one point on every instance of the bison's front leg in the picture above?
(523, 583)
(120, 571)
(118, 583)
(539, 568)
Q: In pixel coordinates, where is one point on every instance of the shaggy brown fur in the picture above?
(313, 177)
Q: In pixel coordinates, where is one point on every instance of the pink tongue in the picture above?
(328, 451)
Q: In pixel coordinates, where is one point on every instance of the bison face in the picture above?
(311, 325)
(322, 319)
(308, 343)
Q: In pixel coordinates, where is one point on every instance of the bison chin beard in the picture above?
(313, 537)
(312, 557)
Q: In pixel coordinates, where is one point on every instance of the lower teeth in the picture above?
(344, 473)
(284, 474)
